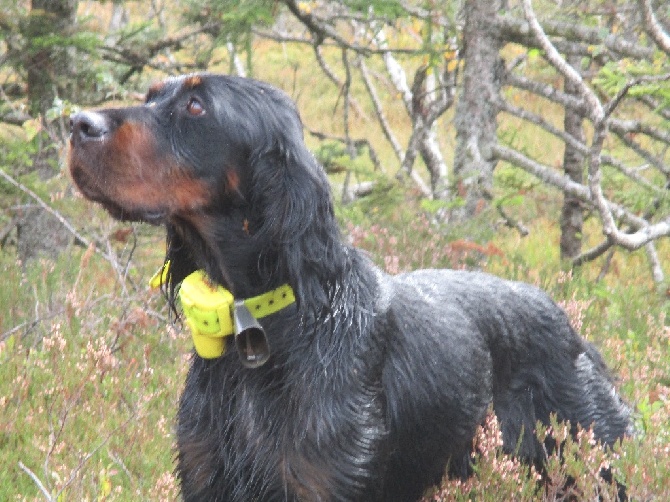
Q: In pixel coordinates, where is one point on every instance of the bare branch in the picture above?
(346, 89)
(617, 164)
(511, 222)
(237, 63)
(625, 138)
(629, 85)
(515, 29)
(546, 91)
(335, 79)
(424, 112)
(655, 106)
(593, 253)
(595, 108)
(643, 231)
(578, 145)
(560, 181)
(655, 263)
(109, 256)
(83, 240)
(635, 126)
(396, 72)
(388, 133)
(540, 122)
(84, 460)
(321, 31)
(653, 27)
(379, 111)
(138, 59)
(282, 37)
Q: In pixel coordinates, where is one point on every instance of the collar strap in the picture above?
(209, 310)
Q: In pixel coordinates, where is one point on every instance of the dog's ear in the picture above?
(293, 195)
(181, 264)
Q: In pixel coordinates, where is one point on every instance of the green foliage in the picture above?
(236, 20)
(335, 158)
(84, 41)
(435, 206)
(614, 76)
(238, 17)
(17, 153)
(391, 9)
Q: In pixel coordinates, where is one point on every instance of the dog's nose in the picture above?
(87, 126)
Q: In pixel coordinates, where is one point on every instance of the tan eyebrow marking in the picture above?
(192, 81)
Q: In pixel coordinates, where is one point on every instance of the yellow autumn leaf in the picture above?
(305, 7)
(32, 128)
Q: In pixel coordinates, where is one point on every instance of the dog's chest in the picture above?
(267, 434)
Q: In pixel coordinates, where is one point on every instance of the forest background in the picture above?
(526, 139)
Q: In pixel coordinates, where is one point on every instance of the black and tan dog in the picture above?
(371, 385)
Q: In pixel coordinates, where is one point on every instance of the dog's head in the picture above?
(188, 149)
(221, 162)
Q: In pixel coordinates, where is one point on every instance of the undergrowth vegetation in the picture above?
(91, 366)
(621, 313)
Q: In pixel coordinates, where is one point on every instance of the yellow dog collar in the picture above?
(209, 309)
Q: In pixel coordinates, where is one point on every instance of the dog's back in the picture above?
(461, 341)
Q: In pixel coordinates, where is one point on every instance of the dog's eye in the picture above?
(195, 108)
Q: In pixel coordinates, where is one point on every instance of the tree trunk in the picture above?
(572, 217)
(48, 66)
(477, 108)
(49, 74)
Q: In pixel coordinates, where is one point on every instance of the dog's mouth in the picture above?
(153, 217)
(95, 192)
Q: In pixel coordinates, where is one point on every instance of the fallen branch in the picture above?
(37, 481)
(80, 239)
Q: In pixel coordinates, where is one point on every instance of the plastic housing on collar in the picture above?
(207, 313)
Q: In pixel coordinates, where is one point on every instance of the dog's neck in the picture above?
(248, 260)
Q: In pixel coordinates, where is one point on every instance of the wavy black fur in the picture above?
(376, 383)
